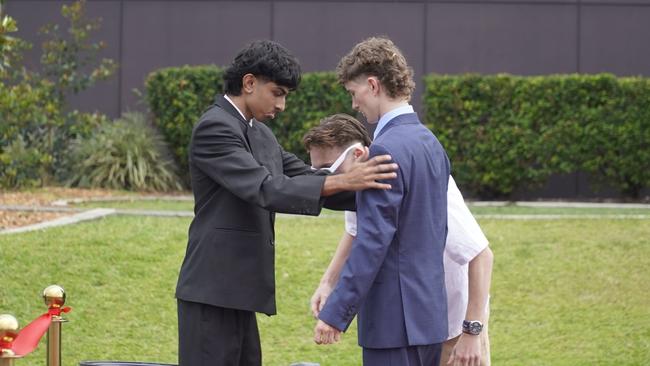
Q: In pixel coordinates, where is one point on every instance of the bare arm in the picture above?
(468, 349)
(331, 275)
(479, 276)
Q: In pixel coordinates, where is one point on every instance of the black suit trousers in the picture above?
(215, 336)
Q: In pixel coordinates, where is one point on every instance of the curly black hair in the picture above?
(265, 59)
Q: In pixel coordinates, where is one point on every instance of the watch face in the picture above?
(475, 327)
(472, 327)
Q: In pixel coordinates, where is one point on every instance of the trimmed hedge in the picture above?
(506, 132)
(503, 133)
(177, 97)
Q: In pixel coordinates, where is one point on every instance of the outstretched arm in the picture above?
(221, 154)
(331, 275)
(377, 224)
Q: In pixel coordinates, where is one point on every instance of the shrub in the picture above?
(125, 154)
(505, 132)
(177, 96)
(76, 126)
(21, 166)
(27, 118)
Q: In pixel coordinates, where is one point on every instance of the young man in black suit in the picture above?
(241, 177)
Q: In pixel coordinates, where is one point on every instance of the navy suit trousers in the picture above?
(428, 355)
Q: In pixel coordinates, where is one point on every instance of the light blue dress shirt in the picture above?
(390, 115)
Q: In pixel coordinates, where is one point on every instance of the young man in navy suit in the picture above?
(335, 144)
(394, 276)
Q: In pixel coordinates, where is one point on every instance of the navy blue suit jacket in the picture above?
(394, 276)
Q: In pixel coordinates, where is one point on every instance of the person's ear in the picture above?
(360, 154)
(373, 84)
(248, 83)
(357, 152)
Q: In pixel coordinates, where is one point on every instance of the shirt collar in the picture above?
(234, 105)
(383, 121)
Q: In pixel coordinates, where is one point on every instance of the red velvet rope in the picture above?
(27, 339)
(56, 311)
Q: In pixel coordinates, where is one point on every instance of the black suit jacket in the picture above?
(240, 177)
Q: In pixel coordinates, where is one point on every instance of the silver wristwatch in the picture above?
(473, 327)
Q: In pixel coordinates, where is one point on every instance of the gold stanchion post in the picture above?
(54, 297)
(8, 331)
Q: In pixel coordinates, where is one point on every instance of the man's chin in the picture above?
(265, 118)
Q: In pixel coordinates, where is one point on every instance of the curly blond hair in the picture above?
(378, 57)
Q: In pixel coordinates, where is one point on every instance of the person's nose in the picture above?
(280, 104)
(355, 105)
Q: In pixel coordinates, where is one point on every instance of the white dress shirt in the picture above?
(250, 123)
(465, 240)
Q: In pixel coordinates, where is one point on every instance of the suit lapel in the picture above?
(224, 104)
(228, 107)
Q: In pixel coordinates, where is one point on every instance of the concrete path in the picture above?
(67, 220)
(184, 198)
(558, 204)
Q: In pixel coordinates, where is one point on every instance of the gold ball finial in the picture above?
(8, 331)
(54, 296)
(8, 323)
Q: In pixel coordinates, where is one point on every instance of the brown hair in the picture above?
(337, 130)
(378, 57)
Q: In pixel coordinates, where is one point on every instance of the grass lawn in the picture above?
(477, 210)
(565, 292)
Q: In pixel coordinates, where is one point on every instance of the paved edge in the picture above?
(557, 204)
(67, 220)
(122, 199)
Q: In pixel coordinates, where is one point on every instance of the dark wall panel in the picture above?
(615, 39)
(493, 38)
(525, 2)
(321, 33)
(32, 15)
(620, 3)
(169, 33)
